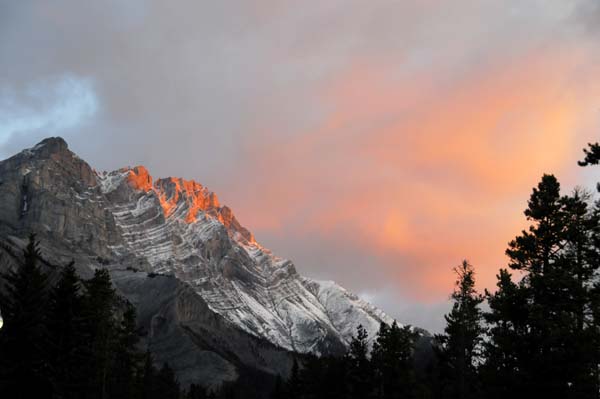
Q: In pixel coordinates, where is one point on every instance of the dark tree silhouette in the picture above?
(592, 155)
(24, 370)
(462, 338)
(127, 358)
(359, 367)
(100, 306)
(544, 336)
(67, 331)
(393, 362)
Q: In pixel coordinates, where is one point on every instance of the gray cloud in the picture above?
(199, 89)
(46, 106)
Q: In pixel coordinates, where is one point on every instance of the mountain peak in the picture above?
(139, 178)
(173, 190)
(51, 146)
(185, 198)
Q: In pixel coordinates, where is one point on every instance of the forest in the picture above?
(536, 335)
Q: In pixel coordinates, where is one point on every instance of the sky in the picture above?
(375, 143)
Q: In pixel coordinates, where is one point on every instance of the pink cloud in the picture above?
(420, 174)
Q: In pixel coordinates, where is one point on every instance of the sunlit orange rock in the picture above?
(140, 179)
(172, 191)
(186, 195)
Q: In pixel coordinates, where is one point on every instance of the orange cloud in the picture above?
(421, 174)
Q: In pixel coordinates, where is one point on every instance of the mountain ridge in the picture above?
(126, 221)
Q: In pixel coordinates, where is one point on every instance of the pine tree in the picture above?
(592, 155)
(584, 234)
(359, 368)
(126, 358)
(544, 335)
(24, 369)
(461, 343)
(67, 331)
(100, 301)
(377, 359)
(537, 253)
(580, 265)
(70, 341)
(509, 347)
(393, 362)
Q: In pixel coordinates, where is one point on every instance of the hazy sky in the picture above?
(375, 143)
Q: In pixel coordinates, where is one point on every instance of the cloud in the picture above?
(374, 143)
(420, 177)
(46, 107)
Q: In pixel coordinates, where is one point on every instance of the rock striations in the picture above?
(220, 302)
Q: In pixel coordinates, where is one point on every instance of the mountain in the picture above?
(210, 299)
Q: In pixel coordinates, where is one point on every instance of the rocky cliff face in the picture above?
(223, 303)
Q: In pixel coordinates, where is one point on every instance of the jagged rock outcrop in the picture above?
(227, 303)
(49, 190)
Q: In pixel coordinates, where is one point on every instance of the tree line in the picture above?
(74, 339)
(536, 336)
(384, 368)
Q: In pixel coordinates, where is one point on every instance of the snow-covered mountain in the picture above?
(135, 225)
(178, 227)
